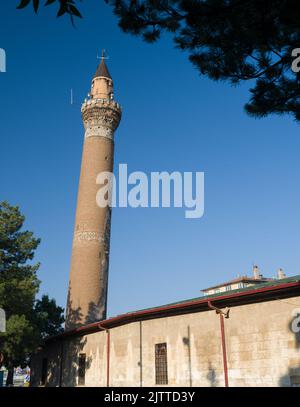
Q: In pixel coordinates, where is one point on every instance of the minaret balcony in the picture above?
(102, 102)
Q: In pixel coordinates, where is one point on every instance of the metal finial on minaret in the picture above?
(87, 296)
(103, 52)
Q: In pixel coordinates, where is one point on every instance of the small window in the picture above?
(228, 288)
(161, 363)
(217, 290)
(81, 369)
(241, 285)
(44, 371)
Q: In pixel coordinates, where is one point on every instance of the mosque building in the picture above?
(245, 332)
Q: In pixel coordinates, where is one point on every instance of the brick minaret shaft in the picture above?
(87, 295)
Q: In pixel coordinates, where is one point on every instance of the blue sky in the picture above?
(173, 120)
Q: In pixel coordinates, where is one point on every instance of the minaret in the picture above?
(87, 296)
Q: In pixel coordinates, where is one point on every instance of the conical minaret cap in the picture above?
(102, 69)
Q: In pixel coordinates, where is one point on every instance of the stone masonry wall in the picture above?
(261, 348)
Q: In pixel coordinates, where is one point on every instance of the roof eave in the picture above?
(200, 305)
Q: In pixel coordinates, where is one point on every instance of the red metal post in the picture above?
(107, 357)
(224, 350)
(223, 341)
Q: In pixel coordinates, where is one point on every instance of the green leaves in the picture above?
(68, 7)
(229, 40)
(64, 7)
(16, 247)
(18, 341)
(28, 320)
(74, 11)
(23, 4)
(48, 316)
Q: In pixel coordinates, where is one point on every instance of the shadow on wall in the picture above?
(292, 377)
(96, 311)
(212, 375)
(187, 342)
(71, 350)
(66, 367)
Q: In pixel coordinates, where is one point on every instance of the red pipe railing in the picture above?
(223, 340)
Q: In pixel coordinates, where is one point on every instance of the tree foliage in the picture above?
(28, 320)
(48, 317)
(64, 7)
(18, 280)
(227, 40)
